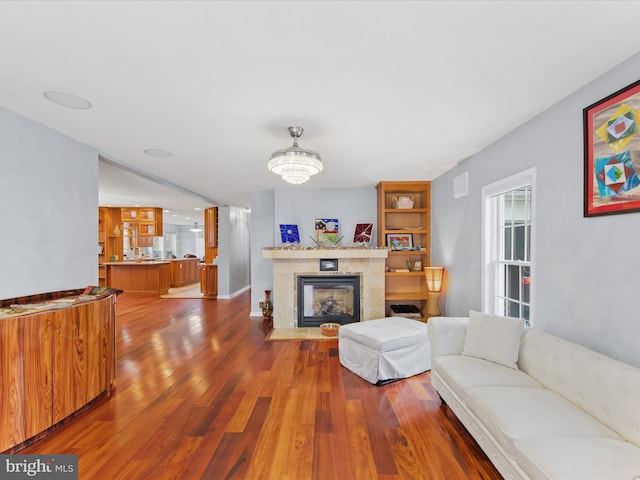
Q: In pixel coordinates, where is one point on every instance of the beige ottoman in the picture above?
(384, 350)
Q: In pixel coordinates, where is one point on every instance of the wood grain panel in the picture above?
(12, 400)
(37, 358)
(64, 389)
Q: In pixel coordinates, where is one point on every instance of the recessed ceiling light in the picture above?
(68, 100)
(197, 208)
(154, 152)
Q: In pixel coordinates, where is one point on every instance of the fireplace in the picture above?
(328, 298)
(289, 263)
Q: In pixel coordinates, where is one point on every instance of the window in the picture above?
(508, 253)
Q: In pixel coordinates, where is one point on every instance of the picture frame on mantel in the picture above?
(289, 234)
(612, 153)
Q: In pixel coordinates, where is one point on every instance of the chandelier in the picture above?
(295, 164)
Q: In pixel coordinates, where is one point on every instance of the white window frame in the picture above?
(491, 239)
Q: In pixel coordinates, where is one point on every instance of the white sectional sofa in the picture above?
(539, 406)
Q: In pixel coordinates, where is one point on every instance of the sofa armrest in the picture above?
(446, 335)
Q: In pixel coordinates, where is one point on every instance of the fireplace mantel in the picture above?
(289, 262)
(324, 252)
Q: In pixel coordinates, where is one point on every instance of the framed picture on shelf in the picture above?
(612, 153)
(400, 241)
(417, 265)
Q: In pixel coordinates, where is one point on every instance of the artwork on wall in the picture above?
(327, 230)
(400, 241)
(289, 233)
(612, 153)
(363, 233)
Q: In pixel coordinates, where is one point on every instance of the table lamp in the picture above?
(433, 276)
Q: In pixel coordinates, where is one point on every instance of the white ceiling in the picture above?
(386, 90)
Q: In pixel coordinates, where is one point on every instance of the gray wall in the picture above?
(234, 251)
(587, 269)
(48, 209)
(302, 206)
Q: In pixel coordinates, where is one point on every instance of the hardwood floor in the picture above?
(200, 394)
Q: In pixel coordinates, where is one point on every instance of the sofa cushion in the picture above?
(512, 413)
(493, 338)
(461, 372)
(605, 388)
(578, 458)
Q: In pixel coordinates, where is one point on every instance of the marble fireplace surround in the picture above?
(289, 262)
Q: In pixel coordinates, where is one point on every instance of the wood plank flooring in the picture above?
(200, 394)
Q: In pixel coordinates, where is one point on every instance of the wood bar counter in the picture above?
(146, 278)
(57, 356)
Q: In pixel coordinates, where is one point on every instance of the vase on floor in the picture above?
(267, 307)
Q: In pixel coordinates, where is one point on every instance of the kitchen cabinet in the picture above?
(210, 234)
(209, 280)
(110, 246)
(141, 224)
(184, 272)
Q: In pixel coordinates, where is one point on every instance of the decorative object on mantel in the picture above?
(363, 233)
(267, 308)
(289, 234)
(295, 164)
(329, 329)
(327, 232)
(433, 277)
(326, 243)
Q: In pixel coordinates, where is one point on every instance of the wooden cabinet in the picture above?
(110, 233)
(141, 224)
(404, 213)
(210, 234)
(209, 280)
(184, 272)
(52, 364)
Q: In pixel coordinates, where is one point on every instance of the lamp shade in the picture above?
(434, 278)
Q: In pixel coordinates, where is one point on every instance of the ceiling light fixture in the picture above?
(154, 152)
(295, 164)
(68, 100)
(195, 228)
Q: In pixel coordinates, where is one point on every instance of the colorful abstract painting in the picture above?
(612, 153)
(327, 230)
(616, 174)
(363, 233)
(289, 233)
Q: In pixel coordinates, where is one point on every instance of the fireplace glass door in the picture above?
(328, 298)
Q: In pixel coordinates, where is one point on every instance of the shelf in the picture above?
(404, 274)
(405, 296)
(408, 252)
(406, 210)
(408, 286)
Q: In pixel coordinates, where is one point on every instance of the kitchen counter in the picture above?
(184, 271)
(146, 278)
